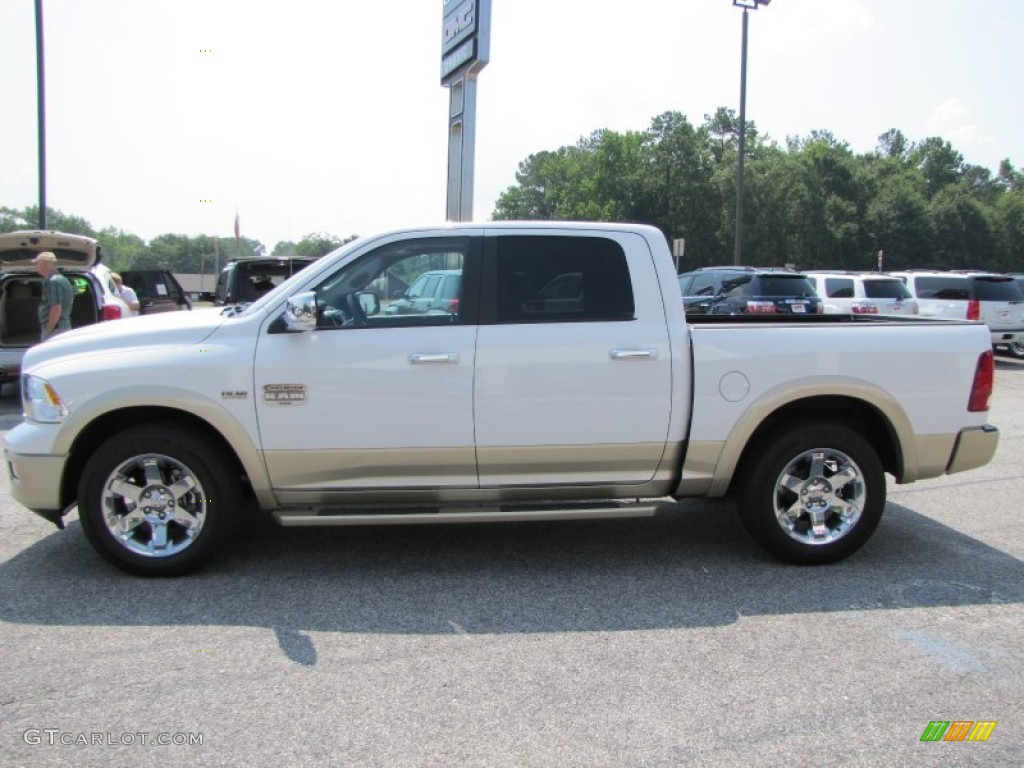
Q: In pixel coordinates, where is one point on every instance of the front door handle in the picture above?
(424, 358)
(633, 354)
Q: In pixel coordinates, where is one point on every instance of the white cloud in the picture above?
(953, 120)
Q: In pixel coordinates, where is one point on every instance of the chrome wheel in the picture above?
(819, 496)
(1017, 349)
(154, 505)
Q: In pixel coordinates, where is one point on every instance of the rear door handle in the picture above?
(425, 358)
(633, 354)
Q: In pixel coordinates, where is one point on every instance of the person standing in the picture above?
(126, 292)
(55, 303)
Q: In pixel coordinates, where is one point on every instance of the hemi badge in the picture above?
(234, 394)
(284, 394)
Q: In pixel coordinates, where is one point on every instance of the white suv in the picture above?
(862, 293)
(996, 300)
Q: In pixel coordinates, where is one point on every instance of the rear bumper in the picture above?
(974, 448)
(1007, 336)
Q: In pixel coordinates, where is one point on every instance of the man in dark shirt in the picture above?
(55, 303)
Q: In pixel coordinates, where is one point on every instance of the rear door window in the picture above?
(545, 279)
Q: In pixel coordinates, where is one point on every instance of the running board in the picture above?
(500, 513)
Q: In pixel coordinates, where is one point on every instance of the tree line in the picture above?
(813, 202)
(183, 254)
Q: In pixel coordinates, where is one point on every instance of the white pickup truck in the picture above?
(562, 382)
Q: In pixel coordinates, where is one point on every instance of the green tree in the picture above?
(121, 250)
(12, 220)
(283, 248)
(897, 222)
(1009, 227)
(939, 162)
(319, 244)
(964, 234)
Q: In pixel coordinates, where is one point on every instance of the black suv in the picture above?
(247, 279)
(157, 290)
(748, 290)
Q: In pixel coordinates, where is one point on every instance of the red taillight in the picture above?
(111, 312)
(984, 378)
(453, 307)
(761, 307)
(974, 310)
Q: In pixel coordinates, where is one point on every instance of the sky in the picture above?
(168, 116)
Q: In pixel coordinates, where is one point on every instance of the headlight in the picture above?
(40, 401)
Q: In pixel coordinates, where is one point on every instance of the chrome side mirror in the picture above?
(300, 312)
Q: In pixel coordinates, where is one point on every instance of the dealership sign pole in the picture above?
(465, 50)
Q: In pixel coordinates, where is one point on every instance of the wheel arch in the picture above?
(858, 415)
(867, 409)
(112, 423)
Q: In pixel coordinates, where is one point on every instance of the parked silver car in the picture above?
(863, 293)
(432, 293)
(994, 299)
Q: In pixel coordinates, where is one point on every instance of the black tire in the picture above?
(172, 492)
(788, 482)
(1016, 349)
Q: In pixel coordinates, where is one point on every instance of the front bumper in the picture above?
(35, 466)
(974, 448)
(35, 483)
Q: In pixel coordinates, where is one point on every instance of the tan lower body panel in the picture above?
(372, 468)
(933, 455)
(410, 475)
(616, 463)
(699, 468)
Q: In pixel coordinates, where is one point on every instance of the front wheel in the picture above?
(1016, 349)
(813, 495)
(156, 500)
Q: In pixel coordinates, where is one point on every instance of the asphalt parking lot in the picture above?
(657, 642)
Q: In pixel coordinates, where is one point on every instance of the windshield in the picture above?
(289, 286)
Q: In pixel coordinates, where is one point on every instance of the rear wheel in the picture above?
(1016, 349)
(813, 495)
(156, 500)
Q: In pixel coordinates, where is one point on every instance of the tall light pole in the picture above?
(41, 112)
(746, 5)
